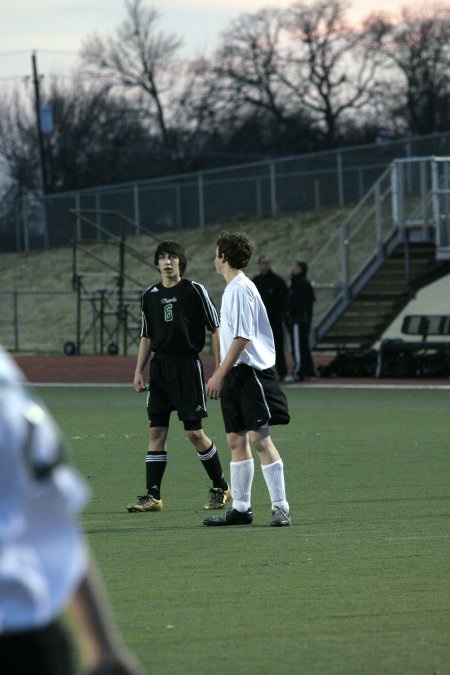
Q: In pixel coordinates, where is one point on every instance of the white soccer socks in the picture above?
(274, 477)
(241, 476)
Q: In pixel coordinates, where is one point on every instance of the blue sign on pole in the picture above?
(46, 119)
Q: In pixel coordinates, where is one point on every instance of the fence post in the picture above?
(340, 179)
(360, 184)
(401, 197)
(44, 215)
(26, 209)
(394, 195)
(444, 220)
(273, 190)
(201, 203)
(345, 262)
(378, 224)
(435, 202)
(409, 169)
(78, 219)
(136, 214)
(15, 299)
(78, 327)
(19, 219)
(423, 196)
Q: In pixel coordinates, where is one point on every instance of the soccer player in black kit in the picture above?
(175, 314)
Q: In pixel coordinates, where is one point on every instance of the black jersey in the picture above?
(175, 318)
(274, 292)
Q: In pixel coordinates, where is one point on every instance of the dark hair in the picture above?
(236, 249)
(263, 258)
(302, 266)
(172, 248)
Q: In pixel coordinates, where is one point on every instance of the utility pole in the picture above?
(37, 102)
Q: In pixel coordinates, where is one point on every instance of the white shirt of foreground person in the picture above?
(244, 315)
(42, 553)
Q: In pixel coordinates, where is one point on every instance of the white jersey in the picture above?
(42, 552)
(243, 314)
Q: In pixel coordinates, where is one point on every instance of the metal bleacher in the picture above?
(394, 242)
(108, 310)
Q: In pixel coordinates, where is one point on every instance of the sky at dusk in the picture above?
(56, 29)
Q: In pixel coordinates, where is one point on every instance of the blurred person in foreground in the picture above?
(250, 395)
(274, 293)
(45, 567)
(299, 317)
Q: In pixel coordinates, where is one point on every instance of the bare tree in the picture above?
(97, 138)
(142, 60)
(328, 69)
(247, 63)
(18, 144)
(253, 99)
(417, 49)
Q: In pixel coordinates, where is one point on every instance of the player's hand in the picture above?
(139, 384)
(121, 663)
(213, 386)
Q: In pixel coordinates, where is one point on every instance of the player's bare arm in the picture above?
(215, 347)
(214, 384)
(144, 351)
(96, 632)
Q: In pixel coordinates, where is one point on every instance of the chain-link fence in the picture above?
(324, 179)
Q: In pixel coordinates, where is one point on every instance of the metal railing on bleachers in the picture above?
(409, 202)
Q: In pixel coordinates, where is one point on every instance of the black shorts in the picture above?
(176, 383)
(251, 398)
(42, 651)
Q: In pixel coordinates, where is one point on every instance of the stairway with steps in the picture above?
(383, 297)
(406, 259)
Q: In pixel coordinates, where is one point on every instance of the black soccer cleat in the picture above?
(230, 517)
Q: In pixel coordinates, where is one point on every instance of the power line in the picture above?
(60, 76)
(13, 77)
(39, 51)
(22, 51)
(56, 51)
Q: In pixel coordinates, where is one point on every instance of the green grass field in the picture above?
(360, 583)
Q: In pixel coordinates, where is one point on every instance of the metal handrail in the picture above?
(398, 201)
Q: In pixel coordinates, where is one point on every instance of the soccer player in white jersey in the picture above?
(175, 314)
(246, 382)
(44, 562)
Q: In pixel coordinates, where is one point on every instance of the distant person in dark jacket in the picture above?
(301, 299)
(274, 293)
